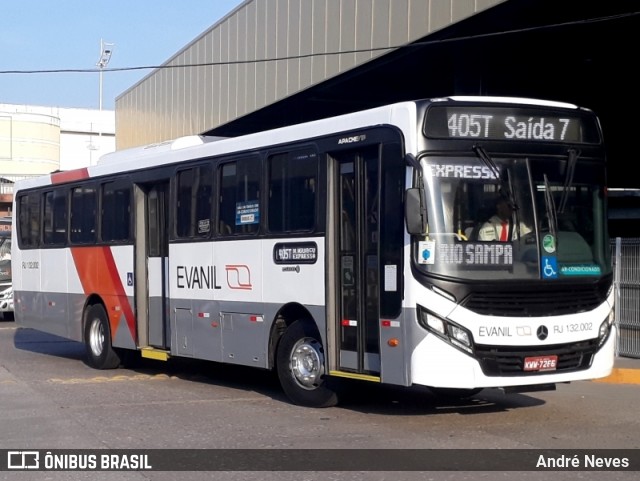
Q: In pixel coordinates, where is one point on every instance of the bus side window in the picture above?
(55, 217)
(116, 211)
(193, 206)
(239, 203)
(29, 220)
(83, 215)
(293, 178)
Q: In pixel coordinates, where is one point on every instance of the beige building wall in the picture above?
(36, 140)
(29, 143)
(232, 69)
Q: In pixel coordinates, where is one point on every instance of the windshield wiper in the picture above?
(572, 160)
(550, 207)
(511, 199)
(506, 185)
(488, 161)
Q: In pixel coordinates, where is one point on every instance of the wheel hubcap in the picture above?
(307, 363)
(96, 337)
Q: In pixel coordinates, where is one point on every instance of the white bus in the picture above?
(350, 247)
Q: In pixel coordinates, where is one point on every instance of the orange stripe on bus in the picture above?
(99, 275)
(71, 175)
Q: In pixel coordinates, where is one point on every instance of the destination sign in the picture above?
(295, 253)
(508, 123)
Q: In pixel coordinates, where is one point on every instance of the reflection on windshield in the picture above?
(503, 224)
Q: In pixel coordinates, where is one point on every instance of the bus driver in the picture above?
(501, 227)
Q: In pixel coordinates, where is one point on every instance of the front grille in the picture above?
(509, 360)
(537, 301)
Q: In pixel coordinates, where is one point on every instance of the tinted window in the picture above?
(29, 220)
(193, 216)
(116, 211)
(55, 217)
(83, 215)
(293, 180)
(239, 197)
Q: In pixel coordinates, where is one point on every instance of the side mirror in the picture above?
(415, 211)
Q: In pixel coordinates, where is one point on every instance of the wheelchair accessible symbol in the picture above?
(549, 267)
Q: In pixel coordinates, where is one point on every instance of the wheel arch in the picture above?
(89, 302)
(287, 315)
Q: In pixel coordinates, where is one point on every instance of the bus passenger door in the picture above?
(151, 275)
(357, 270)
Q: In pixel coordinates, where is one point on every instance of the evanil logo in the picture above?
(351, 140)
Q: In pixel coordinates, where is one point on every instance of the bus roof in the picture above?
(402, 115)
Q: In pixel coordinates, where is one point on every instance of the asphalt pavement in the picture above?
(626, 370)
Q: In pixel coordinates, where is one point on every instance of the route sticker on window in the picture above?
(247, 212)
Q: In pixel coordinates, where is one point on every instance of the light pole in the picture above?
(105, 55)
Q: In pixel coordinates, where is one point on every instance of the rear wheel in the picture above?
(301, 366)
(97, 338)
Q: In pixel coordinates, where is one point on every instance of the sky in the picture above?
(41, 35)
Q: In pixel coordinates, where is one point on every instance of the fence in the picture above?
(626, 262)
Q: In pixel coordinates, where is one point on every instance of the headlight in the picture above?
(435, 323)
(461, 335)
(605, 328)
(451, 332)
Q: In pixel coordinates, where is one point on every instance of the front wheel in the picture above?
(97, 338)
(301, 367)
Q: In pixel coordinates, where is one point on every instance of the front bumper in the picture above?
(436, 363)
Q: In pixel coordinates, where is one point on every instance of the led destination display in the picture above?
(508, 123)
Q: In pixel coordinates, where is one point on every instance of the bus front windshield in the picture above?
(513, 218)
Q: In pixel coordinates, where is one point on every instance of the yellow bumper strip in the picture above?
(353, 375)
(157, 354)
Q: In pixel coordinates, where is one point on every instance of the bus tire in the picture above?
(301, 367)
(97, 338)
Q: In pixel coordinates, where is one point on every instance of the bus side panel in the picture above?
(244, 328)
(219, 307)
(26, 286)
(298, 273)
(107, 272)
(53, 287)
(194, 286)
(294, 269)
(76, 298)
(217, 310)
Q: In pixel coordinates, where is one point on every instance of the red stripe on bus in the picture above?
(98, 274)
(71, 175)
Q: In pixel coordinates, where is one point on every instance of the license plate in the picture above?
(541, 363)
